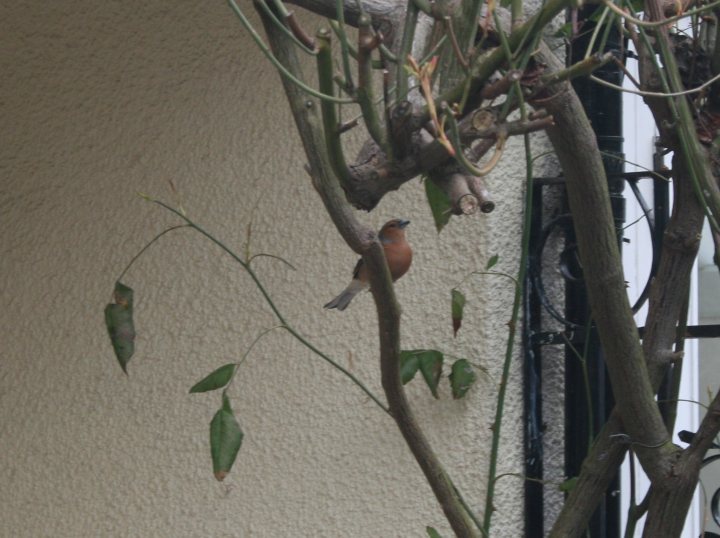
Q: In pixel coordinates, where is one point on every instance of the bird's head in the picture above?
(393, 230)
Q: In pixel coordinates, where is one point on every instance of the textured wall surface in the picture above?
(100, 100)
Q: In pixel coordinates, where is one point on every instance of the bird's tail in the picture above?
(343, 300)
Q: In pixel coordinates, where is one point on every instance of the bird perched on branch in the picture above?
(397, 253)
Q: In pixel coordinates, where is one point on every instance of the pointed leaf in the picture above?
(120, 325)
(569, 484)
(458, 305)
(431, 368)
(225, 440)
(462, 377)
(439, 204)
(409, 365)
(216, 380)
(428, 361)
(492, 261)
(432, 533)
(226, 404)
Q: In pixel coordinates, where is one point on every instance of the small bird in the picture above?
(397, 253)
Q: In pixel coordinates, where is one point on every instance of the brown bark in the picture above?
(632, 385)
(587, 189)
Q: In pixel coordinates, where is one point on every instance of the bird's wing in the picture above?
(358, 265)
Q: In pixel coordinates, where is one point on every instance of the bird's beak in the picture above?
(404, 223)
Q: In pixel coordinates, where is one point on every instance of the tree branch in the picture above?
(374, 173)
(666, 300)
(586, 184)
(364, 241)
(386, 15)
(709, 428)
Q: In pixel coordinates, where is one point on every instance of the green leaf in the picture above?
(432, 533)
(491, 262)
(216, 380)
(458, 305)
(428, 361)
(409, 365)
(569, 484)
(225, 439)
(431, 369)
(439, 204)
(120, 325)
(462, 377)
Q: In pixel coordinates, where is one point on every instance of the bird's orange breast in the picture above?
(399, 258)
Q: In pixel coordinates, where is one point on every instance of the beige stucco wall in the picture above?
(100, 100)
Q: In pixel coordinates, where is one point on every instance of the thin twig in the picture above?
(263, 255)
(579, 69)
(447, 21)
(298, 32)
(460, 154)
(401, 78)
(508, 129)
(279, 66)
(147, 246)
(656, 94)
(501, 86)
(512, 328)
(291, 28)
(247, 353)
(367, 42)
(271, 303)
(333, 143)
(340, 14)
(664, 22)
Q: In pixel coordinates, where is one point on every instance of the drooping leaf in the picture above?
(428, 361)
(216, 380)
(458, 305)
(462, 377)
(431, 368)
(225, 439)
(119, 323)
(491, 262)
(439, 204)
(569, 484)
(432, 533)
(409, 365)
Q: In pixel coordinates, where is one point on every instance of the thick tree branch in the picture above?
(389, 323)
(587, 189)
(597, 472)
(364, 241)
(665, 303)
(671, 283)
